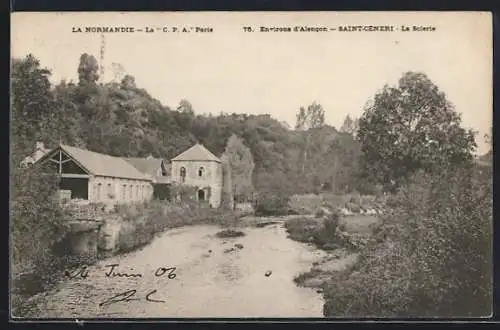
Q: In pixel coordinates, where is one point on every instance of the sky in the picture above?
(230, 70)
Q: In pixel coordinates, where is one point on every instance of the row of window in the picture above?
(128, 192)
(201, 173)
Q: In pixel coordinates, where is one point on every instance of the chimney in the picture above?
(39, 146)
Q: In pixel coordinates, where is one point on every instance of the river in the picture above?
(213, 278)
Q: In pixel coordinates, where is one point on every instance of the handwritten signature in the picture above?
(129, 295)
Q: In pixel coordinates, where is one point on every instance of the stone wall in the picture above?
(116, 190)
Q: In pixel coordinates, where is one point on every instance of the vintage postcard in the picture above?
(251, 164)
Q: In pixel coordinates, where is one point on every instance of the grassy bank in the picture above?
(430, 255)
(342, 238)
(332, 231)
(354, 203)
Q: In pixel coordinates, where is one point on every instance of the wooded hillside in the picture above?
(122, 119)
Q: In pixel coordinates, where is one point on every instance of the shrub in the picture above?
(355, 199)
(355, 208)
(319, 214)
(183, 192)
(334, 201)
(305, 204)
(271, 204)
(38, 226)
(433, 255)
(322, 234)
(331, 222)
(302, 229)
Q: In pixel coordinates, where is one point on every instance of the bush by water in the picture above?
(432, 256)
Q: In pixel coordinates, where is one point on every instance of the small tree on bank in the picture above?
(240, 166)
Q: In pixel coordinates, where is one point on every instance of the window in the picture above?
(131, 191)
(98, 192)
(183, 174)
(110, 190)
(124, 192)
(137, 192)
(201, 171)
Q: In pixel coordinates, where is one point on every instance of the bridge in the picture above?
(84, 222)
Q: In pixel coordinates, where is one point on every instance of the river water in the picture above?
(213, 278)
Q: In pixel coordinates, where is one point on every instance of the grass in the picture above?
(301, 279)
(361, 224)
(311, 204)
(322, 232)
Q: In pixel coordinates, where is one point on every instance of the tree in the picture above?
(350, 125)
(186, 107)
(128, 82)
(88, 70)
(312, 117)
(241, 165)
(341, 162)
(307, 120)
(32, 104)
(227, 185)
(410, 127)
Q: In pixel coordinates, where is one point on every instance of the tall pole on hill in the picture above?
(101, 58)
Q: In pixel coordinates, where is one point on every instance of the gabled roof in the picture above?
(101, 164)
(146, 165)
(197, 153)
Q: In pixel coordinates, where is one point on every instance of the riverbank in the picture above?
(244, 276)
(341, 237)
(126, 229)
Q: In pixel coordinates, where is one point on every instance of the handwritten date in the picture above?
(112, 272)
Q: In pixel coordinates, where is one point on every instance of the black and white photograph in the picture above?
(260, 165)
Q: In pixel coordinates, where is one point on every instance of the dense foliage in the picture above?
(411, 127)
(37, 220)
(433, 256)
(121, 119)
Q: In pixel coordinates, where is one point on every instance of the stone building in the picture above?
(97, 178)
(199, 168)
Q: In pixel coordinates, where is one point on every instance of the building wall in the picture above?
(119, 191)
(212, 177)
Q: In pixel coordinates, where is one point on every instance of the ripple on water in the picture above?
(229, 270)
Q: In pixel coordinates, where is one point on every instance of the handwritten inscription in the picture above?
(113, 272)
(130, 295)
